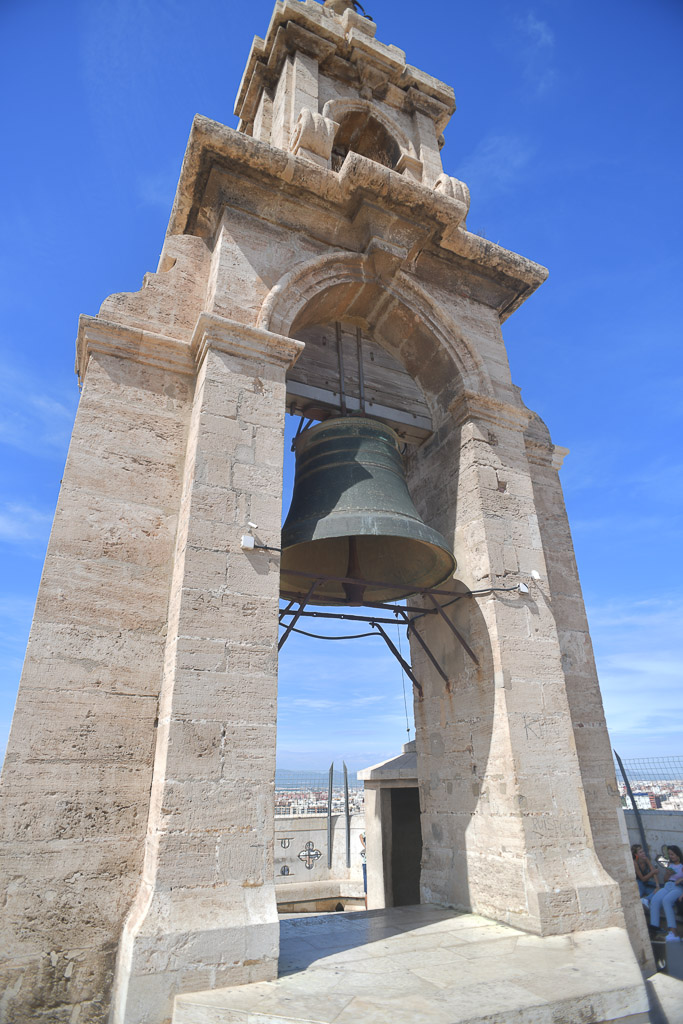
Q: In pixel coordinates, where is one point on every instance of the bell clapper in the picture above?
(354, 591)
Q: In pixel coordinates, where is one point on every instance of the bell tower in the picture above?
(138, 787)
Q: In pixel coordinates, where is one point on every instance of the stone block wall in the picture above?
(661, 828)
(78, 770)
(292, 833)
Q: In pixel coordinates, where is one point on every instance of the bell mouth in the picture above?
(352, 517)
(392, 567)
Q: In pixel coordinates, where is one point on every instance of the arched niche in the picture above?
(398, 315)
(346, 368)
(366, 130)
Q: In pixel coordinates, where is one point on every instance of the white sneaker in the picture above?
(645, 901)
(672, 938)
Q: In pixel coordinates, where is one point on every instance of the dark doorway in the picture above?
(406, 846)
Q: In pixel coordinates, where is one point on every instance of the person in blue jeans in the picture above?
(669, 895)
(646, 875)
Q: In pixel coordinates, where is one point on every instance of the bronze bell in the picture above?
(352, 516)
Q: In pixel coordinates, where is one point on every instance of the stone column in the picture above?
(505, 825)
(78, 769)
(581, 679)
(304, 94)
(427, 148)
(297, 88)
(205, 914)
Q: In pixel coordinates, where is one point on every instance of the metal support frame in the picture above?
(401, 660)
(330, 787)
(347, 813)
(402, 611)
(636, 810)
(296, 614)
(340, 357)
(361, 373)
(448, 622)
(413, 629)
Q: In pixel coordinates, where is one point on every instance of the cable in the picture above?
(470, 593)
(403, 679)
(317, 636)
(432, 611)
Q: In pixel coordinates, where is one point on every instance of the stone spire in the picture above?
(320, 84)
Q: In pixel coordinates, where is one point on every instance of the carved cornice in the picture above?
(545, 453)
(437, 217)
(469, 405)
(132, 343)
(236, 339)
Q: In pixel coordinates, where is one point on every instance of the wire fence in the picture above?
(655, 782)
(289, 781)
(304, 792)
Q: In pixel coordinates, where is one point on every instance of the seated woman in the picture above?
(646, 876)
(669, 895)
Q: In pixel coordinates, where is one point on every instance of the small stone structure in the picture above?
(137, 791)
(303, 880)
(393, 837)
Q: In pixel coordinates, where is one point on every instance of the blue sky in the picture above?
(568, 134)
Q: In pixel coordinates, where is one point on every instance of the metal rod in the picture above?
(361, 375)
(333, 615)
(296, 615)
(286, 611)
(413, 629)
(374, 583)
(636, 811)
(397, 654)
(452, 627)
(348, 815)
(329, 816)
(287, 595)
(340, 357)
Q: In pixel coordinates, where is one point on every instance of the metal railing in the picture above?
(650, 783)
(653, 782)
(320, 793)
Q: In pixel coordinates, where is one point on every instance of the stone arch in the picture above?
(398, 311)
(340, 109)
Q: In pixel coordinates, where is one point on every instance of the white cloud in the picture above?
(538, 32)
(536, 44)
(639, 653)
(35, 422)
(22, 523)
(495, 165)
(159, 189)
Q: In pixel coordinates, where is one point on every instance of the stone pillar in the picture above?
(297, 88)
(505, 825)
(78, 768)
(205, 914)
(581, 679)
(304, 91)
(427, 148)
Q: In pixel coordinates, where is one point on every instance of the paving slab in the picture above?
(428, 965)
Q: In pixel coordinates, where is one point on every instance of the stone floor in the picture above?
(425, 965)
